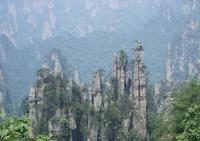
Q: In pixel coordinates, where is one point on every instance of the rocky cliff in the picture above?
(68, 110)
(2, 91)
(48, 24)
(5, 101)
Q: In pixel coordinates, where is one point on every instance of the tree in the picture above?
(191, 125)
(187, 96)
(183, 124)
(116, 112)
(123, 57)
(18, 129)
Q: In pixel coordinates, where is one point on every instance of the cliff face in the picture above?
(80, 113)
(183, 54)
(139, 90)
(183, 51)
(2, 91)
(53, 67)
(44, 19)
(120, 72)
(163, 95)
(5, 101)
(55, 63)
(182, 61)
(44, 27)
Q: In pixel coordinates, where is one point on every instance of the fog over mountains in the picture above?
(49, 18)
(88, 32)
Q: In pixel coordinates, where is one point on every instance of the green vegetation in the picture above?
(191, 125)
(18, 129)
(183, 121)
(186, 99)
(63, 101)
(114, 116)
(123, 57)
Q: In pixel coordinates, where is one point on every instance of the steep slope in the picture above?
(30, 20)
(28, 29)
(183, 51)
(17, 64)
(2, 93)
(6, 105)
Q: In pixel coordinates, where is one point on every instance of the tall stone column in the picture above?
(97, 103)
(139, 90)
(77, 78)
(97, 92)
(119, 72)
(35, 102)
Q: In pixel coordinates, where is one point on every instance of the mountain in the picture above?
(88, 32)
(31, 20)
(17, 65)
(183, 51)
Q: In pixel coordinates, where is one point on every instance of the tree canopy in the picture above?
(18, 129)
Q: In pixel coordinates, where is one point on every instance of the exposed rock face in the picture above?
(35, 102)
(164, 101)
(97, 92)
(55, 63)
(97, 103)
(2, 91)
(120, 66)
(72, 122)
(127, 82)
(55, 128)
(77, 78)
(163, 95)
(2, 86)
(5, 101)
(139, 90)
(2, 83)
(132, 81)
(183, 53)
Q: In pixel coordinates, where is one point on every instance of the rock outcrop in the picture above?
(163, 95)
(96, 99)
(5, 101)
(120, 68)
(139, 90)
(183, 53)
(2, 92)
(97, 91)
(84, 109)
(53, 66)
(55, 63)
(35, 102)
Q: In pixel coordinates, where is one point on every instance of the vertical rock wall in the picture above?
(97, 103)
(139, 90)
(119, 72)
